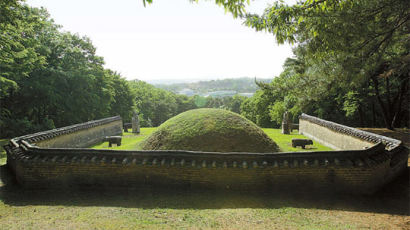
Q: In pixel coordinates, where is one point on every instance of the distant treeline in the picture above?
(240, 85)
(156, 105)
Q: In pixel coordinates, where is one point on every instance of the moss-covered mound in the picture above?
(213, 130)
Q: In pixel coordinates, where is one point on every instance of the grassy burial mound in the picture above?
(213, 130)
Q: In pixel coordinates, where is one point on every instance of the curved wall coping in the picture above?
(367, 136)
(357, 170)
(351, 158)
(346, 158)
(30, 151)
(49, 134)
(178, 153)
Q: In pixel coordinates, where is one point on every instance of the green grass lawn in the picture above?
(285, 141)
(131, 141)
(145, 211)
(170, 209)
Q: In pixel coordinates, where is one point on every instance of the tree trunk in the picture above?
(361, 119)
(387, 120)
(401, 95)
(390, 105)
(373, 114)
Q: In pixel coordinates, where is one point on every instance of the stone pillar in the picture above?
(286, 124)
(135, 123)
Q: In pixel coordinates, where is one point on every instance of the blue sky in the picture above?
(171, 39)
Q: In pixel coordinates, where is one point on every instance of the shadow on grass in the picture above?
(393, 199)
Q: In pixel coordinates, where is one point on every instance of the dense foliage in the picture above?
(51, 78)
(351, 64)
(156, 105)
(239, 85)
(236, 7)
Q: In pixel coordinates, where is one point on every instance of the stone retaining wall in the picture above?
(331, 138)
(76, 136)
(339, 136)
(363, 170)
(83, 138)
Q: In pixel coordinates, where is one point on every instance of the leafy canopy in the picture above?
(355, 52)
(236, 7)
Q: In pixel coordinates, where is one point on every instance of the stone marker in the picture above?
(285, 123)
(135, 123)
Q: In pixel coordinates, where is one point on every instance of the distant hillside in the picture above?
(212, 87)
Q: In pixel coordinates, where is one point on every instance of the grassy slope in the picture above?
(129, 140)
(152, 209)
(213, 130)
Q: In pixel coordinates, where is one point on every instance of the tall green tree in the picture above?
(123, 101)
(18, 44)
(69, 85)
(352, 43)
(157, 105)
(236, 7)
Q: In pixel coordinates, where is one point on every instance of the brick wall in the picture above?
(356, 171)
(354, 179)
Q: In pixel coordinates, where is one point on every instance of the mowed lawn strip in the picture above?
(130, 141)
(168, 209)
(285, 141)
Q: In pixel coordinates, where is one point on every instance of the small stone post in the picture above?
(285, 123)
(135, 123)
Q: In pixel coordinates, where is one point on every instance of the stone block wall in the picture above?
(331, 138)
(77, 136)
(349, 170)
(341, 137)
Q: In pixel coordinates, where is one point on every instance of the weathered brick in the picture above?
(363, 170)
